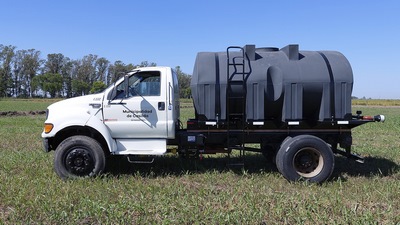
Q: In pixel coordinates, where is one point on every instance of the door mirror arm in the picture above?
(126, 86)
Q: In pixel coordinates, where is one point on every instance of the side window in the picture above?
(120, 91)
(141, 84)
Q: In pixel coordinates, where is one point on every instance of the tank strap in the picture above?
(217, 89)
(332, 86)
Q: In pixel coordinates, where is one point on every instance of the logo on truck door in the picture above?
(143, 113)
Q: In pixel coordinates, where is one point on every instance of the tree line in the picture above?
(24, 74)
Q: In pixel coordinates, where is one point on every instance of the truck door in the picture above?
(138, 110)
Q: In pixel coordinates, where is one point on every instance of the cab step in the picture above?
(140, 159)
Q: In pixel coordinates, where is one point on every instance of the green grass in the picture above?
(10, 104)
(172, 191)
(376, 102)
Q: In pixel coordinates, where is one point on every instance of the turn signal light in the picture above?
(48, 127)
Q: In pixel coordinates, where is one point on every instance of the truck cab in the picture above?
(134, 116)
(141, 111)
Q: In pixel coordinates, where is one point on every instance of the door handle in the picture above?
(161, 106)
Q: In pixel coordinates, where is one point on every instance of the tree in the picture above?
(115, 71)
(98, 86)
(49, 82)
(101, 69)
(130, 67)
(146, 64)
(79, 87)
(184, 83)
(6, 56)
(54, 63)
(83, 74)
(19, 69)
(18, 76)
(31, 63)
(87, 70)
(67, 73)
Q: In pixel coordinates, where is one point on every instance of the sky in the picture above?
(170, 33)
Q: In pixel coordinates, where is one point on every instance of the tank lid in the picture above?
(291, 51)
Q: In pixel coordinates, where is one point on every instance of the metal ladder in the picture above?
(236, 92)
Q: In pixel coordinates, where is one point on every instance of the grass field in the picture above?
(25, 104)
(172, 191)
(376, 102)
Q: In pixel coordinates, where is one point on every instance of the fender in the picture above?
(79, 117)
(74, 117)
(95, 123)
(79, 111)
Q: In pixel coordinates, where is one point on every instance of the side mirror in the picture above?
(126, 86)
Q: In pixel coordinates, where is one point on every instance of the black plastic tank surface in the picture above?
(280, 84)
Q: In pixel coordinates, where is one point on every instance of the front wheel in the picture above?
(305, 157)
(79, 156)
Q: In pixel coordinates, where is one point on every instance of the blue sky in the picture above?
(170, 33)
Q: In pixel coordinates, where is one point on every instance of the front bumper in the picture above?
(46, 146)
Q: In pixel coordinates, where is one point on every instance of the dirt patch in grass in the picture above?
(22, 113)
(5, 212)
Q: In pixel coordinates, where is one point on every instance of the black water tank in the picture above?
(282, 84)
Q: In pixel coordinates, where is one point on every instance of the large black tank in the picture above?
(282, 84)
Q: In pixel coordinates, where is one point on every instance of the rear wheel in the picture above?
(305, 157)
(79, 156)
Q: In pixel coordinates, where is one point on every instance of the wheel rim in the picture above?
(79, 161)
(308, 162)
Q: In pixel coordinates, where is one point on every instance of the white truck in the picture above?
(295, 104)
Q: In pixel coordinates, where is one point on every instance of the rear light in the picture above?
(367, 118)
(377, 118)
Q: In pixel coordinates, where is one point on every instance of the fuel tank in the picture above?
(277, 84)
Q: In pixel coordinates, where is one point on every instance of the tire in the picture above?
(79, 156)
(305, 157)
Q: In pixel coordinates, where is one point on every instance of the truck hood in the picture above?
(73, 112)
(87, 101)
